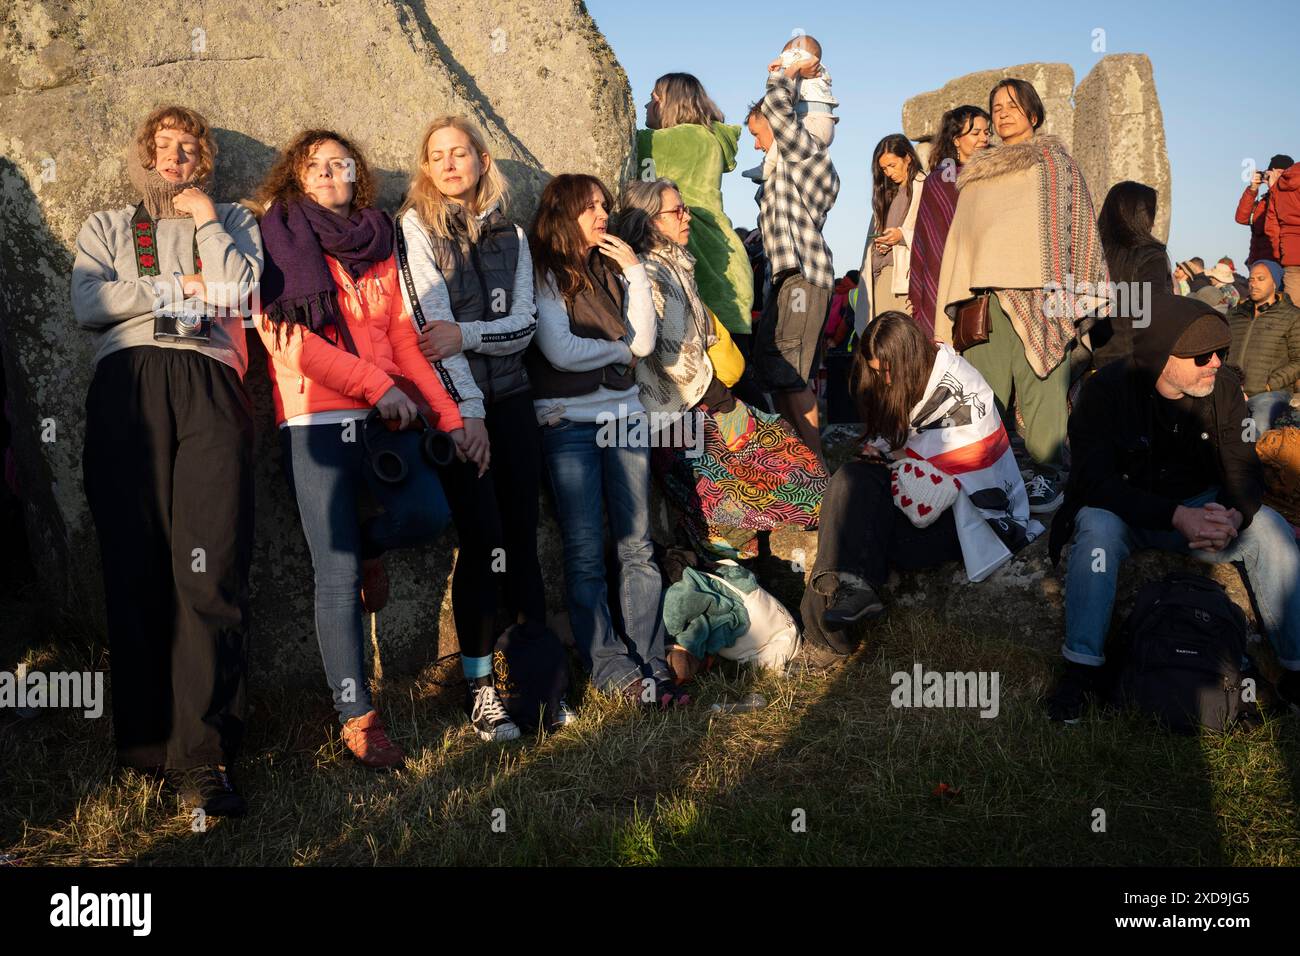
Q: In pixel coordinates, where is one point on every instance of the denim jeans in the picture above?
(327, 473)
(1102, 541)
(591, 482)
(1266, 407)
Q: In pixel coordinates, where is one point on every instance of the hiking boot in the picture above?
(207, 789)
(852, 602)
(488, 717)
(374, 584)
(1045, 494)
(816, 657)
(366, 738)
(1069, 699)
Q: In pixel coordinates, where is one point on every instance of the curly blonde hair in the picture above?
(284, 181)
(429, 202)
(187, 121)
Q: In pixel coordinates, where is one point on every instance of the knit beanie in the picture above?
(921, 491)
(1273, 268)
(156, 191)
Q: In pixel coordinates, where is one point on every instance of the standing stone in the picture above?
(1054, 82)
(77, 76)
(1119, 131)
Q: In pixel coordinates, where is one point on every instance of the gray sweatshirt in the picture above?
(117, 304)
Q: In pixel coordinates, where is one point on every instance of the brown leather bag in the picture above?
(971, 326)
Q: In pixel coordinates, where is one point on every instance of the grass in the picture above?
(626, 787)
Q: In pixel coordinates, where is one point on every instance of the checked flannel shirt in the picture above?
(800, 193)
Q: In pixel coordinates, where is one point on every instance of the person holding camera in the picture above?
(345, 363)
(168, 456)
(1253, 209)
(468, 281)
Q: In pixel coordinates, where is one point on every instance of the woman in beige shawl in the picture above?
(1024, 234)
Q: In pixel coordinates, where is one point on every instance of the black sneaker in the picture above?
(488, 717)
(1045, 494)
(207, 789)
(1069, 699)
(852, 603)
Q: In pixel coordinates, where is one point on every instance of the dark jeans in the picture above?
(327, 470)
(496, 524)
(591, 481)
(169, 478)
(863, 534)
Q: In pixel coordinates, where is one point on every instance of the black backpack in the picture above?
(530, 668)
(1180, 654)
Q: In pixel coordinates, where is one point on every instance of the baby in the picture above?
(814, 102)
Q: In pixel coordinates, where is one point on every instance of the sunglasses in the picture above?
(1204, 360)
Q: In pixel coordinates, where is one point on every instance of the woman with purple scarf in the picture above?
(341, 345)
(963, 131)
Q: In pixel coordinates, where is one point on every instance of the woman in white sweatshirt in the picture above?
(467, 278)
(595, 320)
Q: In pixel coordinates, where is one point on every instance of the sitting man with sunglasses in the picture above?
(1163, 457)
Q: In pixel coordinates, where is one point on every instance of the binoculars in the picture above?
(436, 447)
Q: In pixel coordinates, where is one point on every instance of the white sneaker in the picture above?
(565, 715)
(488, 715)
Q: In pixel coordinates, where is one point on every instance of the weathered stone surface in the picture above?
(1053, 81)
(76, 76)
(1112, 124)
(1119, 131)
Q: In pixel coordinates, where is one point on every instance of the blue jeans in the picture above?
(591, 482)
(327, 474)
(1266, 407)
(1102, 541)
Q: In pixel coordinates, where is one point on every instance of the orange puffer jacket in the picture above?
(311, 374)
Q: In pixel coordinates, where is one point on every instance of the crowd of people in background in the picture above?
(1011, 358)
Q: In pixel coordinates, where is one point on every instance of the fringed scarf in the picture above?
(297, 286)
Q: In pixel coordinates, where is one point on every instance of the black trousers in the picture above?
(496, 524)
(168, 474)
(863, 533)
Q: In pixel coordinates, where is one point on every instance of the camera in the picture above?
(181, 321)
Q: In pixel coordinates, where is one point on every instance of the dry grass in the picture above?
(627, 787)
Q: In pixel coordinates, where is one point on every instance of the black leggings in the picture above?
(496, 524)
(863, 533)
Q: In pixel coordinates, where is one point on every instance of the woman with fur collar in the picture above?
(1024, 234)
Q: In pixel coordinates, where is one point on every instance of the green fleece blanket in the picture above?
(695, 157)
(702, 614)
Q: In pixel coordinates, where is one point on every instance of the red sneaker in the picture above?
(374, 584)
(369, 743)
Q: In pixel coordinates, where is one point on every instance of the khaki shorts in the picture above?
(788, 335)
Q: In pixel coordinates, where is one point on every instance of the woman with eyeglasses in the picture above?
(962, 132)
(729, 470)
(896, 178)
(1023, 276)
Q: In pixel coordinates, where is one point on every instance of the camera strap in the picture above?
(144, 241)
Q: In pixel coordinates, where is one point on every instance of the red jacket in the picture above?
(1254, 213)
(311, 374)
(1282, 222)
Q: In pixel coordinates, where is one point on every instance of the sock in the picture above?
(476, 667)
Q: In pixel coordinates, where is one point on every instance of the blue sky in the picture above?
(1217, 69)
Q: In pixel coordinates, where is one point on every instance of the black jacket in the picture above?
(1130, 446)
